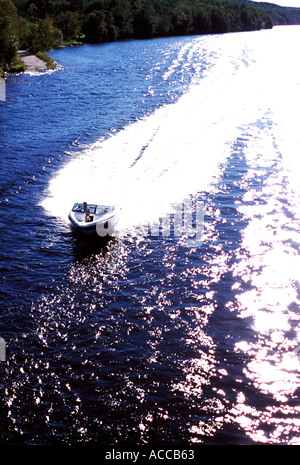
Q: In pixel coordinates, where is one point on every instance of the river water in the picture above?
(154, 337)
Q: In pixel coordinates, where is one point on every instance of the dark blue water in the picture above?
(144, 339)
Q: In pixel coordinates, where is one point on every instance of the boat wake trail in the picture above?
(145, 168)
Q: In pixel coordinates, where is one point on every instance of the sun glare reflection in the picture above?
(266, 291)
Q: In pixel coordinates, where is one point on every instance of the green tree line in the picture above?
(39, 25)
(280, 15)
(108, 20)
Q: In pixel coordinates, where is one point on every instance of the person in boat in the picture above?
(86, 211)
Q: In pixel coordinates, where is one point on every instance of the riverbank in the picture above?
(40, 62)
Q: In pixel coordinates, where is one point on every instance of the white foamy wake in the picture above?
(147, 166)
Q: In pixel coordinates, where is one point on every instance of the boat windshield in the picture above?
(101, 209)
(79, 207)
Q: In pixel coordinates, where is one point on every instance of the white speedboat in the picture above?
(94, 219)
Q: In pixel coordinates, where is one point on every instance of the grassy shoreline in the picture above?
(18, 66)
(51, 64)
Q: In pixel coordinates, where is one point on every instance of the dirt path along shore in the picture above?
(32, 62)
